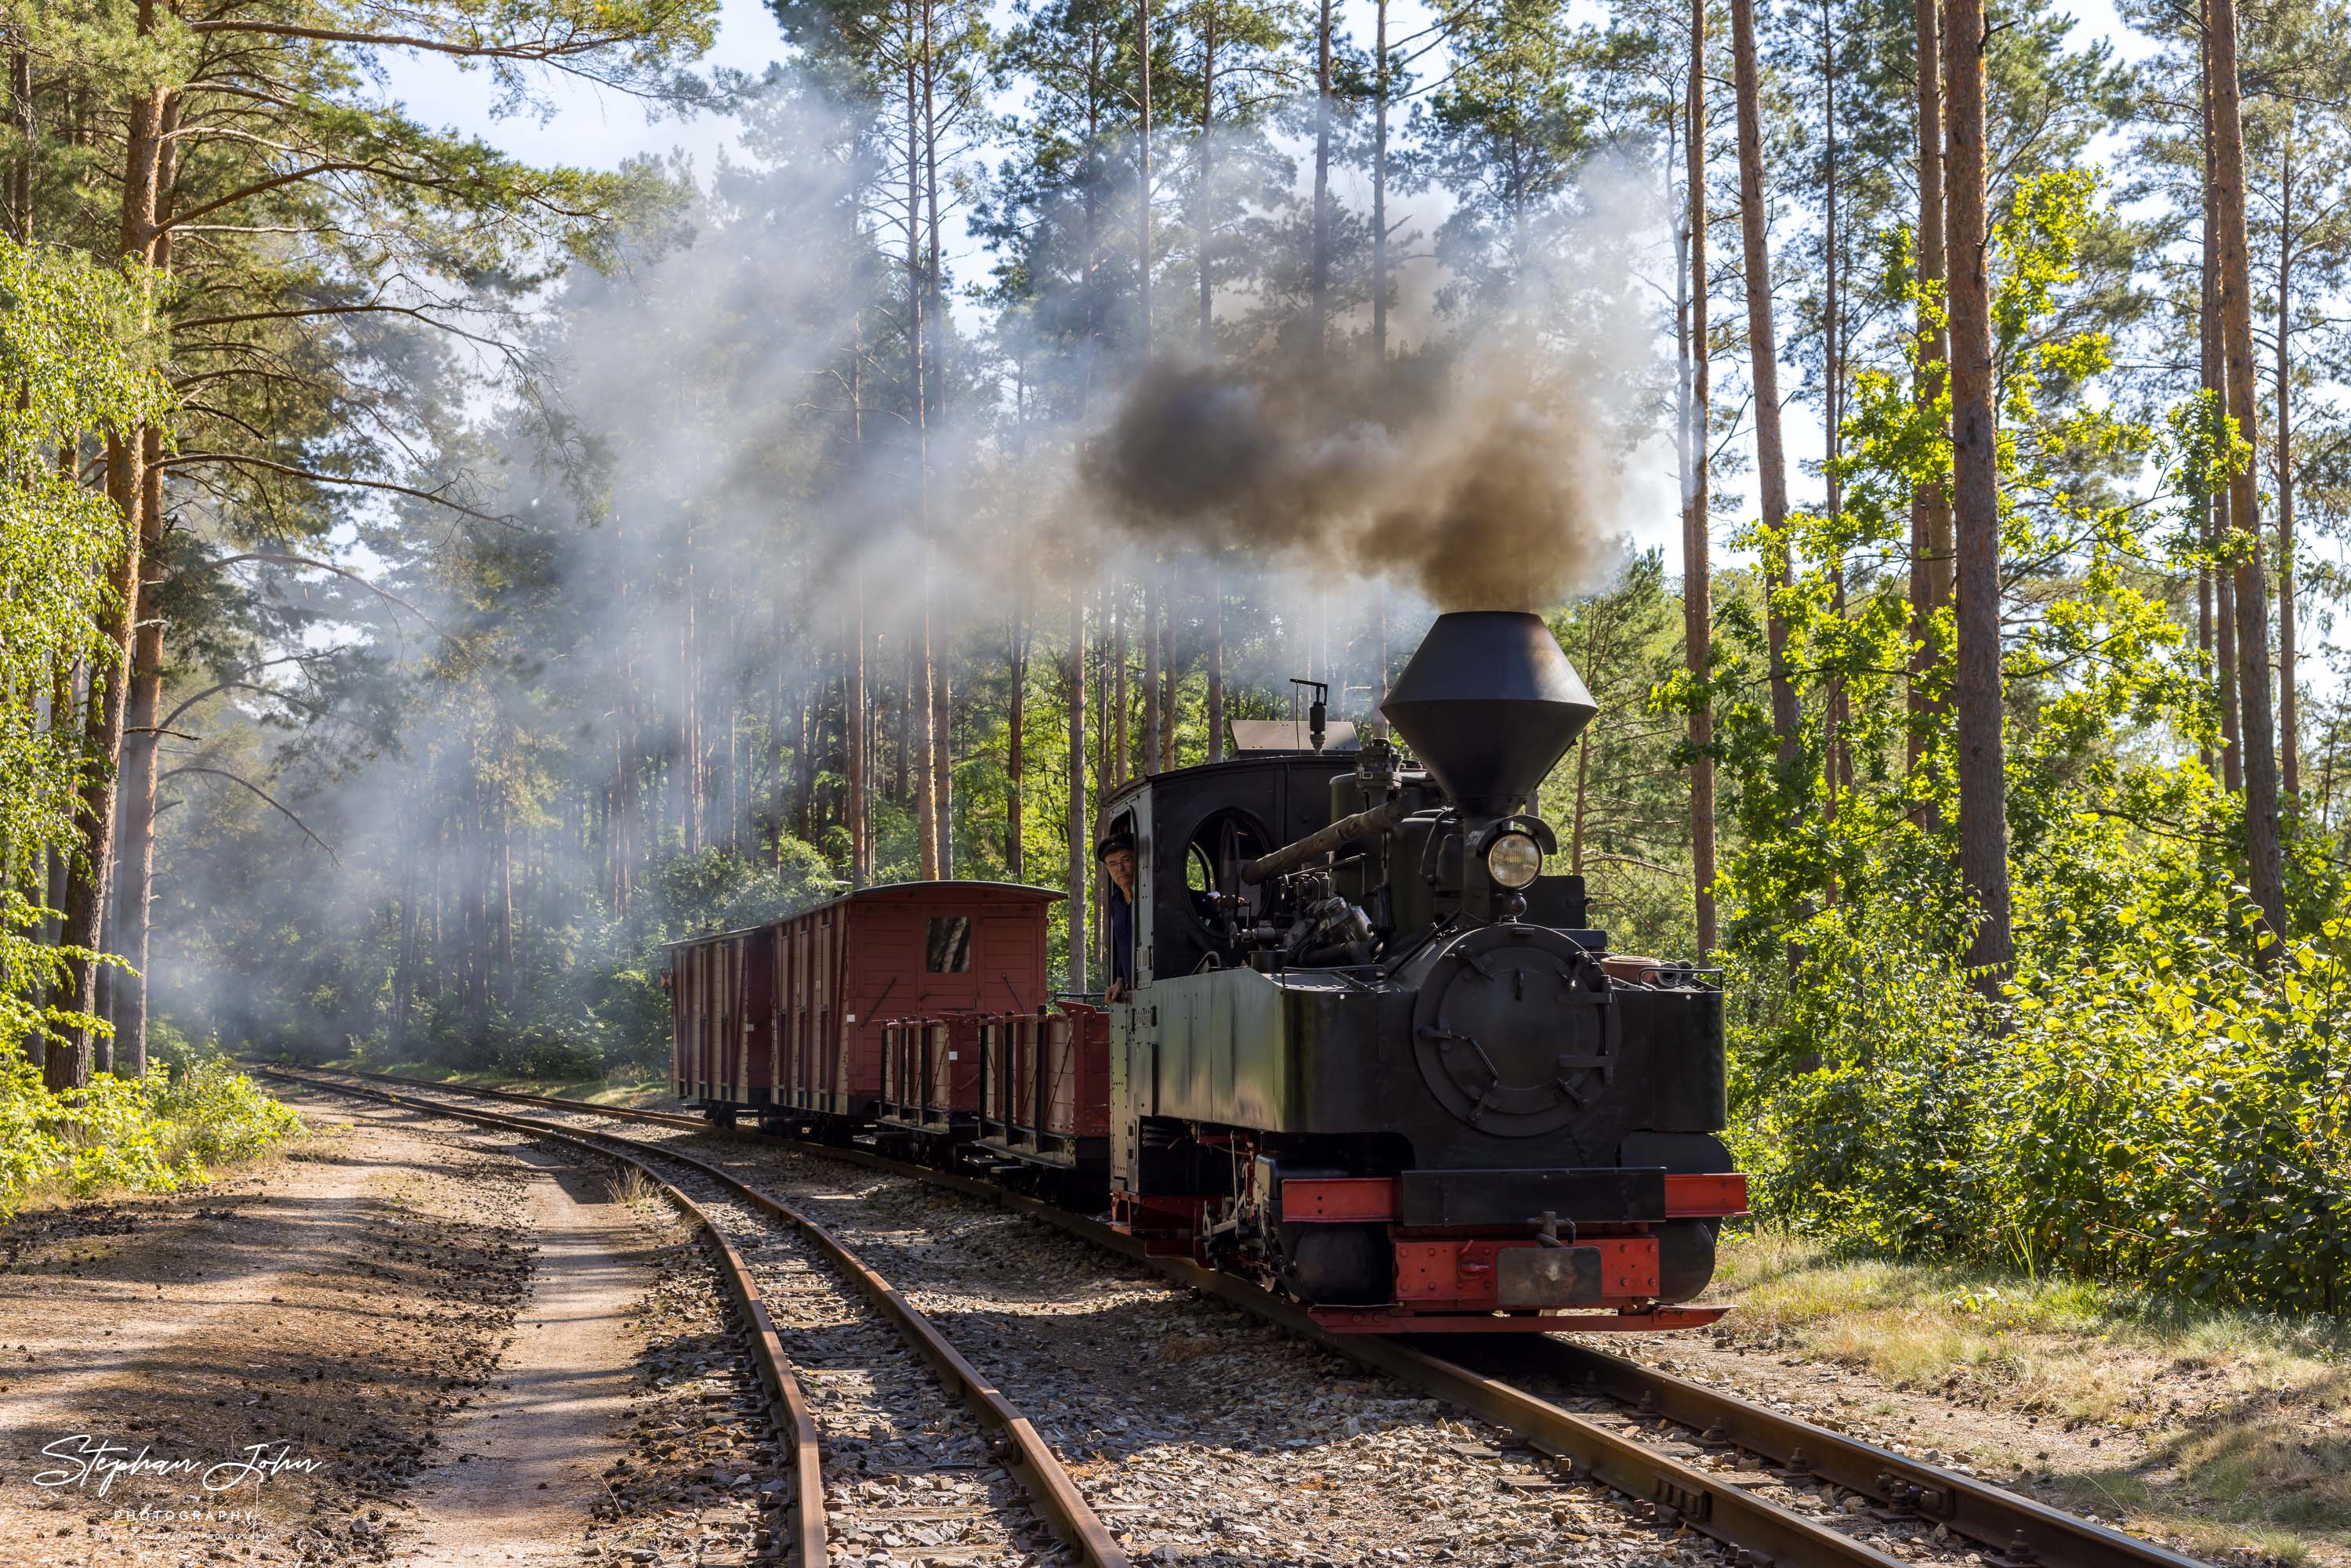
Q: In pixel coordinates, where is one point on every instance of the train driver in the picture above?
(1116, 854)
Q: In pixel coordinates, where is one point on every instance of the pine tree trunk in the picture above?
(1983, 783)
(68, 1063)
(728, 694)
(2208, 370)
(1215, 649)
(922, 698)
(1168, 692)
(1697, 629)
(1763, 367)
(1215, 664)
(1080, 844)
(685, 765)
(1583, 796)
(943, 756)
(1113, 734)
(1151, 715)
(507, 993)
(858, 721)
(937, 658)
(1205, 223)
(788, 806)
(1836, 762)
(1319, 283)
(919, 700)
(807, 738)
(934, 277)
(1380, 186)
(902, 751)
(2289, 721)
(65, 717)
(403, 983)
(1930, 508)
(135, 900)
(20, 173)
(859, 744)
(2216, 382)
(1016, 744)
(2264, 867)
(1142, 177)
(139, 781)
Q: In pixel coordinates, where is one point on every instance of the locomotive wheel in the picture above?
(1337, 1265)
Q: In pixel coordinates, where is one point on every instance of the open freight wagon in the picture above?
(1009, 1091)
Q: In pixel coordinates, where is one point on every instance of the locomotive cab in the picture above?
(1377, 1059)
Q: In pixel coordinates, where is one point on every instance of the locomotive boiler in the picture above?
(1377, 1058)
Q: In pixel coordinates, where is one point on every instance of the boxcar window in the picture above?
(949, 945)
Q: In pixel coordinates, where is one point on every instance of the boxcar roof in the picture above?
(1014, 892)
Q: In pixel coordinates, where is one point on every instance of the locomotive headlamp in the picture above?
(1513, 860)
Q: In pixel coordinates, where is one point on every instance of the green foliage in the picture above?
(72, 364)
(715, 890)
(151, 1134)
(1507, 132)
(2148, 1101)
(1618, 799)
(2158, 1110)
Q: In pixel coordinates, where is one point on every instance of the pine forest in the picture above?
(431, 581)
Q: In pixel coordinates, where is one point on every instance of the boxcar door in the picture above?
(945, 969)
(1011, 958)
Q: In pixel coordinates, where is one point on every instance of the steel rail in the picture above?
(2020, 1531)
(1017, 1446)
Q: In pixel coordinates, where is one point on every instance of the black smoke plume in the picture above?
(1482, 477)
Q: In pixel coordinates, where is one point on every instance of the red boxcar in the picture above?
(785, 1020)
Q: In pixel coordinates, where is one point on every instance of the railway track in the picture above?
(1771, 1487)
(849, 1366)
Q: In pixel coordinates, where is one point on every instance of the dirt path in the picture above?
(289, 1350)
(523, 1470)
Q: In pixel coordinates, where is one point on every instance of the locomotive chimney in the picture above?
(1487, 704)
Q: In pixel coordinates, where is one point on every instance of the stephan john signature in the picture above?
(87, 1458)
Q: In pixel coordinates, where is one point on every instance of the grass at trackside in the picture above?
(2246, 1416)
(651, 1090)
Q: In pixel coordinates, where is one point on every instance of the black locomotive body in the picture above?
(1373, 1057)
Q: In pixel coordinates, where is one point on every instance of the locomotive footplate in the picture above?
(1513, 1200)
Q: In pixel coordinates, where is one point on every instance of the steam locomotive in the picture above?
(1372, 1055)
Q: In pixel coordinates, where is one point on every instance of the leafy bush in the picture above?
(151, 1133)
(30, 1149)
(542, 1052)
(2165, 1112)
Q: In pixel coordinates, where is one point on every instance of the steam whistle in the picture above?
(1317, 712)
